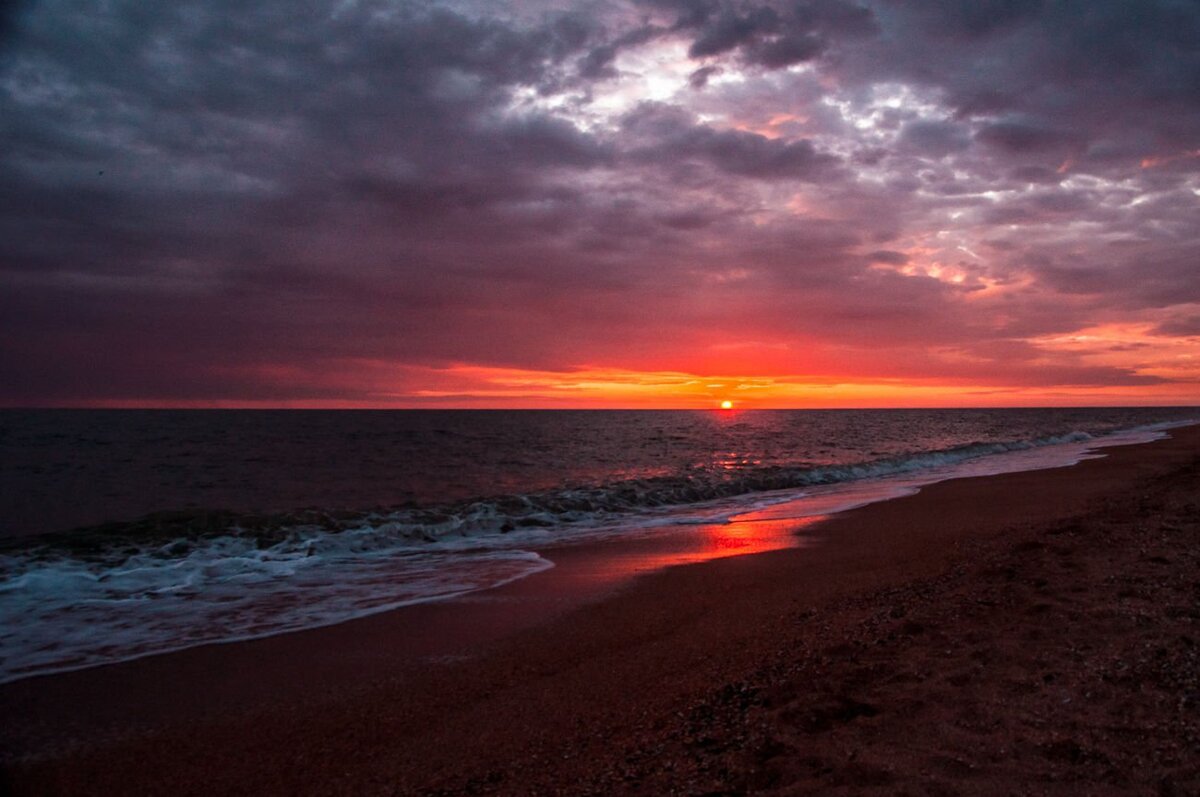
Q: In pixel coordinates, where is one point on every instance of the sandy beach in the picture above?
(1026, 633)
(561, 397)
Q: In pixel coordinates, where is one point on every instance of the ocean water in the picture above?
(127, 533)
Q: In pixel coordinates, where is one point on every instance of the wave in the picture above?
(276, 541)
(175, 580)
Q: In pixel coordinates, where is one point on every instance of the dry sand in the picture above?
(1027, 633)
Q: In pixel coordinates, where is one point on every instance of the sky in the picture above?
(639, 203)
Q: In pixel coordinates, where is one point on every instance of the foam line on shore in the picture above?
(67, 614)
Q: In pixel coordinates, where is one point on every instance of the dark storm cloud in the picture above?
(196, 198)
(1016, 137)
(770, 35)
(273, 110)
(699, 78)
(1046, 77)
(672, 136)
(598, 62)
(730, 30)
(195, 152)
(934, 138)
(974, 19)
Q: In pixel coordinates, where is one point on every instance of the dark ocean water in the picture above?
(60, 469)
(271, 521)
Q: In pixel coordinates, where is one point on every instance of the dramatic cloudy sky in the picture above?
(640, 203)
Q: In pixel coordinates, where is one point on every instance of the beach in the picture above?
(1031, 632)
(550, 397)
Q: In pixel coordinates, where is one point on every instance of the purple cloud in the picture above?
(197, 200)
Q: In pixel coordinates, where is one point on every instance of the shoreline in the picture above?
(536, 670)
(761, 524)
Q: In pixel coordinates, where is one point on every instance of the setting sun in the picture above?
(726, 404)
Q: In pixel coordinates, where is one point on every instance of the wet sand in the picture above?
(1030, 633)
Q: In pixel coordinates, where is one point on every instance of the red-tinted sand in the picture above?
(1031, 632)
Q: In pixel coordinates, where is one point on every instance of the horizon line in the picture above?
(715, 408)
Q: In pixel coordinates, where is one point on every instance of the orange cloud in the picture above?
(1150, 161)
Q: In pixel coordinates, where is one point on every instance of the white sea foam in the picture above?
(67, 614)
(60, 612)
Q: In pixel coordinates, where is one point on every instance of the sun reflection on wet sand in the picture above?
(634, 556)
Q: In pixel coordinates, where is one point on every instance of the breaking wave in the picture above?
(175, 580)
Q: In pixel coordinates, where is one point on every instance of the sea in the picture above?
(126, 533)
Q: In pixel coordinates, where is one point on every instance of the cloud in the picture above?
(671, 136)
(699, 78)
(935, 138)
(202, 200)
(975, 19)
(729, 30)
(1183, 326)
(892, 258)
(769, 35)
(1017, 137)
